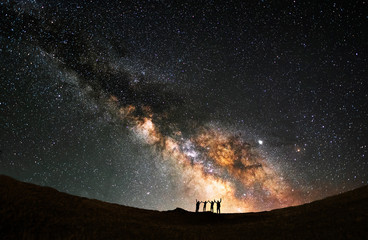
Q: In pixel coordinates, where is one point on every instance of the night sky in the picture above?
(154, 104)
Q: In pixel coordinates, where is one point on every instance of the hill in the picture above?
(29, 211)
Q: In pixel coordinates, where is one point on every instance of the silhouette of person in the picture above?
(197, 205)
(212, 203)
(219, 205)
(204, 206)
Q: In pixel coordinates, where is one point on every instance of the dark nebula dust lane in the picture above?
(156, 104)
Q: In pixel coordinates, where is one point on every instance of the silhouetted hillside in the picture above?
(29, 211)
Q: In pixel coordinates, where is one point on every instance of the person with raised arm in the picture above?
(218, 206)
(204, 206)
(212, 203)
(197, 205)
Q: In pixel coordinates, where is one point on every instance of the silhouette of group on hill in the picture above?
(218, 205)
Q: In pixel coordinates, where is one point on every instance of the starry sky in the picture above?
(154, 104)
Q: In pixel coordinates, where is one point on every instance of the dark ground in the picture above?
(29, 211)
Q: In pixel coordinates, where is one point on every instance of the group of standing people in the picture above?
(212, 203)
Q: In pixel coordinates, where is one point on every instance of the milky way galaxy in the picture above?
(211, 164)
(154, 104)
